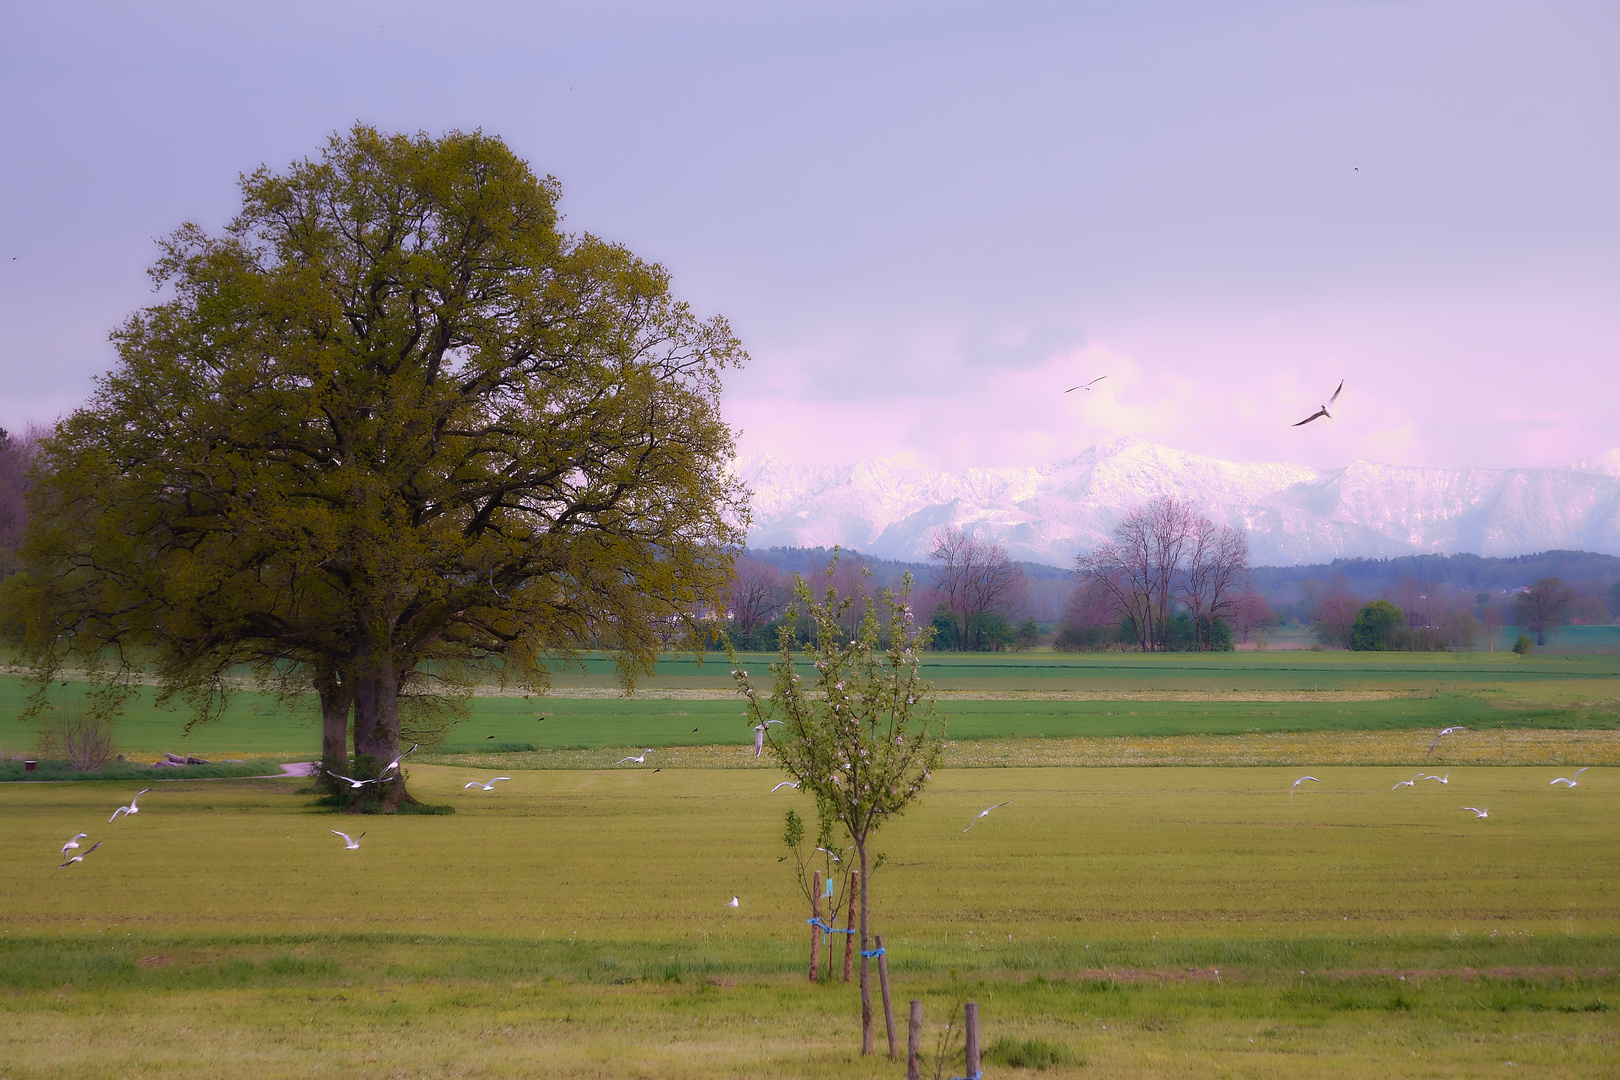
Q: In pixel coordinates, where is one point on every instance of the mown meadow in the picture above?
(1181, 920)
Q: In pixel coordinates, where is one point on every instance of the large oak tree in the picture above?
(390, 427)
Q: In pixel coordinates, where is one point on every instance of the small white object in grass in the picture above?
(642, 760)
(1478, 813)
(73, 843)
(783, 784)
(733, 903)
(486, 787)
(1298, 782)
(1570, 780)
(130, 809)
(985, 812)
(352, 843)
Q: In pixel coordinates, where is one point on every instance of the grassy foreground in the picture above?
(573, 923)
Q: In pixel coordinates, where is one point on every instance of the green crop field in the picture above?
(1174, 921)
(573, 923)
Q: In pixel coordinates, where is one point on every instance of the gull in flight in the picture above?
(1086, 386)
(353, 783)
(395, 763)
(1443, 733)
(1485, 813)
(130, 809)
(1298, 782)
(1323, 411)
(1570, 780)
(734, 903)
(788, 783)
(642, 760)
(73, 843)
(79, 858)
(486, 787)
(1408, 783)
(985, 813)
(1446, 779)
(352, 843)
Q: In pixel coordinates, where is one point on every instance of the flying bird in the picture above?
(642, 760)
(795, 784)
(353, 783)
(352, 843)
(79, 858)
(395, 763)
(1446, 779)
(1298, 782)
(734, 903)
(1323, 411)
(1405, 783)
(1443, 733)
(1570, 780)
(1478, 813)
(1086, 386)
(486, 787)
(73, 843)
(130, 809)
(985, 813)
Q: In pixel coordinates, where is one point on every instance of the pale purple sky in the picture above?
(926, 220)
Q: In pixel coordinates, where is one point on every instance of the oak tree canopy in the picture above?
(391, 429)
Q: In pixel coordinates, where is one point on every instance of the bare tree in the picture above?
(1543, 606)
(16, 457)
(1215, 577)
(974, 576)
(1138, 568)
(1248, 612)
(1334, 615)
(759, 592)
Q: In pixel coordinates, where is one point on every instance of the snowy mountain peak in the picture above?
(1294, 513)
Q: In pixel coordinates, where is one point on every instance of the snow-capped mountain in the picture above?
(1294, 513)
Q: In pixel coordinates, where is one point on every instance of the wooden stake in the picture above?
(972, 1025)
(914, 1042)
(883, 984)
(815, 927)
(849, 924)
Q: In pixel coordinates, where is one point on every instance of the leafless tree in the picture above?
(1139, 567)
(1334, 615)
(16, 457)
(759, 592)
(1250, 611)
(1544, 606)
(974, 576)
(1215, 575)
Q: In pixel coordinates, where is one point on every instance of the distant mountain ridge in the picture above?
(1294, 513)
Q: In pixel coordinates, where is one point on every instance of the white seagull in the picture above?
(1446, 779)
(1443, 733)
(352, 843)
(73, 843)
(395, 763)
(353, 783)
(733, 903)
(1323, 411)
(1407, 783)
(1086, 386)
(130, 809)
(1485, 813)
(642, 760)
(1298, 782)
(783, 784)
(486, 787)
(985, 812)
(79, 858)
(1570, 780)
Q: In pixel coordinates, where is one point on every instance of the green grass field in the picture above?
(1172, 921)
(572, 923)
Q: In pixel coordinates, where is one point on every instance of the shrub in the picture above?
(84, 740)
(1523, 645)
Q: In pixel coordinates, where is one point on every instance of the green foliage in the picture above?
(989, 631)
(1035, 1054)
(943, 623)
(1029, 634)
(1375, 624)
(391, 428)
(1523, 645)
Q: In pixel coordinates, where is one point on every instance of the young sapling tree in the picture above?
(865, 739)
